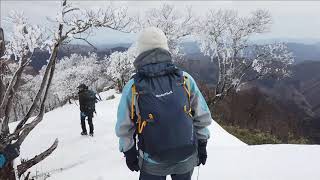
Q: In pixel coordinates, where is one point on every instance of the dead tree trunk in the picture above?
(2, 43)
(8, 173)
(2, 65)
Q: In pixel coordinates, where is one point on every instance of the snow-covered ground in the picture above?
(97, 158)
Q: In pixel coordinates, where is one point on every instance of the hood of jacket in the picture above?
(153, 56)
(154, 62)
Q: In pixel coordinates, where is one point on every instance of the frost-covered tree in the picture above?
(224, 36)
(3, 65)
(69, 24)
(175, 24)
(22, 43)
(119, 67)
(24, 40)
(24, 94)
(72, 71)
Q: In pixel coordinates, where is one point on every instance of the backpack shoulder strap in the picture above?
(133, 99)
(187, 87)
(187, 82)
(134, 112)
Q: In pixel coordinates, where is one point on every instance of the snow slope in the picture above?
(97, 158)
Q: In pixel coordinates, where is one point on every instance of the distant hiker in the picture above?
(87, 101)
(9, 153)
(163, 108)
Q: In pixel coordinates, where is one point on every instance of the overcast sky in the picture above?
(295, 20)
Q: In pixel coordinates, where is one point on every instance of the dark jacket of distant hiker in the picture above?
(87, 100)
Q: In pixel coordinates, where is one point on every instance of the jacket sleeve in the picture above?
(202, 116)
(125, 128)
(2, 160)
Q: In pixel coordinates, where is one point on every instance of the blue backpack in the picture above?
(162, 113)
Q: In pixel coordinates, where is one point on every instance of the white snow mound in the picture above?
(98, 158)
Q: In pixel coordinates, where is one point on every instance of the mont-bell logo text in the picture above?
(164, 94)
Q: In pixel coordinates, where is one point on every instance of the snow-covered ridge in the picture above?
(97, 158)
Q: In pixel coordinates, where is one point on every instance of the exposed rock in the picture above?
(110, 97)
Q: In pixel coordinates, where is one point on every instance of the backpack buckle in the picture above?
(150, 118)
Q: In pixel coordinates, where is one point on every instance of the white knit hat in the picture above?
(151, 38)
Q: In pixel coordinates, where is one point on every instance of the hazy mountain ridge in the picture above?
(40, 58)
(282, 108)
(308, 75)
(276, 106)
(305, 52)
(301, 52)
(286, 107)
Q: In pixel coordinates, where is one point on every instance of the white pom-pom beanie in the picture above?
(151, 38)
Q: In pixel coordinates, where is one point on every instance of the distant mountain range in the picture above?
(284, 108)
(305, 52)
(39, 59)
(301, 52)
(291, 105)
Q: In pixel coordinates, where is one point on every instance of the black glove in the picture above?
(202, 152)
(11, 152)
(132, 159)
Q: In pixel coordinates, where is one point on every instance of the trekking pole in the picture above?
(198, 172)
(99, 97)
(75, 102)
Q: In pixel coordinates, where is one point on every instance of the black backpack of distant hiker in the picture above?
(88, 99)
(162, 112)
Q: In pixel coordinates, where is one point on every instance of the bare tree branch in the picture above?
(27, 176)
(2, 43)
(25, 165)
(52, 59)
(85, 40)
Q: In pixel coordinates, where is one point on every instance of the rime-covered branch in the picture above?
(24, 40)
(174, 23)
(77, 21)
(119, 67)
(223, 35)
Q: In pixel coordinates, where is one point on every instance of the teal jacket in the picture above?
(2, 160)
(125, 128)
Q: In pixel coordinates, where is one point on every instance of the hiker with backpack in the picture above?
(9, 153)
(162, 116)
(87, 101)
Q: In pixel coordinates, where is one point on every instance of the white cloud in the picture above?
(291, 19)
